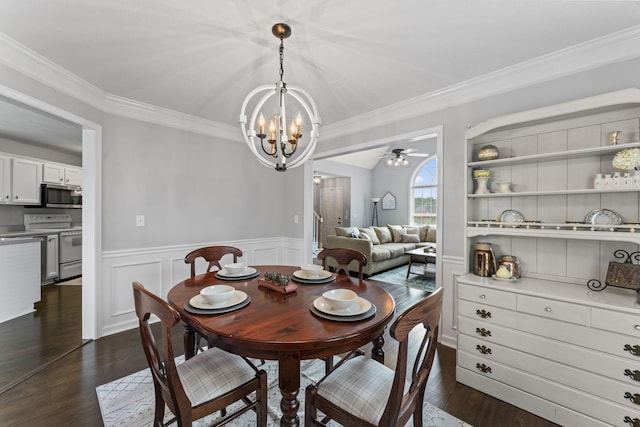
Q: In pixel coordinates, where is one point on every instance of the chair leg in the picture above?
(261, 410)
(328, 364)
(158, 416)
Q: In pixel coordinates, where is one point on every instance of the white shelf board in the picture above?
(552, 193)
(559, 155)
(551, 232)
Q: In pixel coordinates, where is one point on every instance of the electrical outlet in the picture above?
(296, 219)
(139, 220)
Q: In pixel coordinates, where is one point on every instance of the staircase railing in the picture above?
(317, 229)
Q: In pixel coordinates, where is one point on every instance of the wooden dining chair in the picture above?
(211, 254)
(343, 257)
(208, 382)
(361, 391)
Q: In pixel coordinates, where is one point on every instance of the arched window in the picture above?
(424, 191)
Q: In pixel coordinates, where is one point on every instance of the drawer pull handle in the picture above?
(632, 422)
(483, 296)
(547, 309)
(635, 375)
(637, 327)
(484, 368)
(483, 332)
(484, 314)
(635, 398)
(635, 350)
(483, 349)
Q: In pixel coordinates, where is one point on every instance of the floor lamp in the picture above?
(374, 217)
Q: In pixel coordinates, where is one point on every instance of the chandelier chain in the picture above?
(281, 57)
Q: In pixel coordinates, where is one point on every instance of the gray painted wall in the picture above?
(191, 189)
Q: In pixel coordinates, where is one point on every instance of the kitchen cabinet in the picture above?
(545, 342)
(19, 276)
(60, 174)
(5, 179)
(25, 181)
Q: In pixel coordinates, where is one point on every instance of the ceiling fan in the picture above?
(398, 157)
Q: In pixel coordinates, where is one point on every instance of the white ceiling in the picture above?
(201, 57)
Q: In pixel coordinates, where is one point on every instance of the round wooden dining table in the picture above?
(276, 326)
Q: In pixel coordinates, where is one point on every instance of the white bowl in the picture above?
(235, 268)
(217, 293)
(312, 270)
(339, 299)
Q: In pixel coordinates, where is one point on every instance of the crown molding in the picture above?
(612, 48)
(31, 64)
(132, 109)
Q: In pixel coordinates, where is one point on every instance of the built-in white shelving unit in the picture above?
(546, 342)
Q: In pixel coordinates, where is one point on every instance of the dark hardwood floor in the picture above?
(63, 393)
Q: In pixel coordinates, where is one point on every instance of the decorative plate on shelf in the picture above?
(511, 215)
(603, 217)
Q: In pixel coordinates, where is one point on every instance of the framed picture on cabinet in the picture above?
(388, 201)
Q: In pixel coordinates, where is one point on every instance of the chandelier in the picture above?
(270, 140)
(397, 159)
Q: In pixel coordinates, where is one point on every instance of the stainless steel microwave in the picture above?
(60, 196)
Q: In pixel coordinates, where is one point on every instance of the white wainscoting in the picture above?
(158, 269)
(452, 267)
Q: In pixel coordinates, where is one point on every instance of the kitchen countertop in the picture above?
(37, 232)
(16, 240)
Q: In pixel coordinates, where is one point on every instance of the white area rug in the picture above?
(129, 401)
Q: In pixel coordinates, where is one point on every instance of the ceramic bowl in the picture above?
(235, 268)
(217, 294)
(312, 270)
(339, 299)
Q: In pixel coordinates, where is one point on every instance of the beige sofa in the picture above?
(384, 247)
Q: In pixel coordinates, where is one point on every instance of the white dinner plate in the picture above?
(603, 217)
(511, 215)
(248, 271)
(359, 306)
(318, 275)
(199, 302)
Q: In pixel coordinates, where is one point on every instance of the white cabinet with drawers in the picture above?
(546, 342)
(549, 354)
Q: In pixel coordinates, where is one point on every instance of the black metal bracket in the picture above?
(597, 285)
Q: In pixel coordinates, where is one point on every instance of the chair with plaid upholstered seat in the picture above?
(207, 383)
(361, 391)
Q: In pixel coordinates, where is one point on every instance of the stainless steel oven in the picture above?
(70, 254)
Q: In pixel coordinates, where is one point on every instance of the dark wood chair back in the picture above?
(211, 254)
(344, 257)
(168, 386)
(413, 363)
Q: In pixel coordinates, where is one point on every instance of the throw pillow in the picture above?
(410, 238)
(396, 232)
(364, 236)
(431, 234)
(344, 231)
(371, 233)
(412, 230)
(384, 235)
